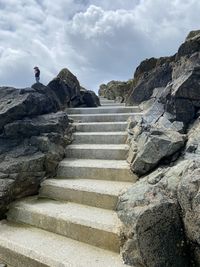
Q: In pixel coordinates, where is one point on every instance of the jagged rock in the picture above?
(190, 46)
(153, 146)
(193, 34)
(27, 127)
(115, 90)
(70, 81)
(166, 199)
(30, 150)
(89, 98)
(60, 91)
(184, 93)
(34, 133)
(153, 234)
(16, 104)
(78, 95)
(150, 74)
(70, 93)
(188, 197)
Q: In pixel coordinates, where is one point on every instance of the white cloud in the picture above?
(97, 40)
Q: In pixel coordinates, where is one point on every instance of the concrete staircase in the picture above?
(73, 223)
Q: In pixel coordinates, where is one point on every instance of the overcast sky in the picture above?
(98, 40)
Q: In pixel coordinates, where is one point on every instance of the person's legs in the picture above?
(37, 79)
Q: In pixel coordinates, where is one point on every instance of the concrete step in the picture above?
(100, 137)
(113, 170)
(104, 117)
(96, 193)
(26, 246)
(103, 110)
(106, 100)
(100, 126)
(97, 151)
(94, 226)
(112, 104)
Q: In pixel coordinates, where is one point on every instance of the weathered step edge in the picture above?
(113, 170)
(100, 137)
(83, 230)
(91, 194)
(26, 246)
(96, 151)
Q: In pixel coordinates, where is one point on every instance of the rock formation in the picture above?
(115, 90)
(161, 211)
(34, 131)
(67, 89)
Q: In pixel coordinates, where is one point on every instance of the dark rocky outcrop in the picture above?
(89, 98)
(150, 74)
(34, 131)
(32, 141)
(69, 92)
(161, 211)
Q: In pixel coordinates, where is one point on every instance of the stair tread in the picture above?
(101, 123)
(98, 186)
(100, 133)
(105, 114)
(52, 249)
(97, 218)
(95, 108)
(98, 163)
(98, 146)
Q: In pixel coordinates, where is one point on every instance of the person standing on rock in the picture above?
(37, 74)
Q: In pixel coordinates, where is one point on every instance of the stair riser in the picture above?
(100, 139)
(113, 154)
(95, 173)
(102, 118)
(15, 259)
(83, 233)
(83, 197)
(112, 104)
(101, 128)
(102, 110)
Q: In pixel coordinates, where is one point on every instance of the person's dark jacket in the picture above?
(37, 73)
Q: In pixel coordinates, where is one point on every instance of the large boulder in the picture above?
(16, 104)
(153, 234)
(30, 150)
(177, 75)
(153, 146)
(188, 197)
(150, 74)
(69, 93)
(89, 98)
(70, 81)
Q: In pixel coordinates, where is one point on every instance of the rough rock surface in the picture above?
(34, 131)
(32, 141)
(89, 98)
(154, 145)
(67, 88)
(150, 74)
(161, 211)
(115, 90)
(153, 233)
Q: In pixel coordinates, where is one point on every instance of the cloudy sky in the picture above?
(98, 40)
